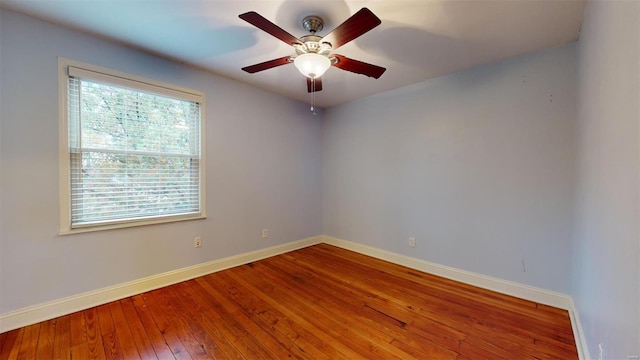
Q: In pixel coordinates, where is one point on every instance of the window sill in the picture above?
(129, 224)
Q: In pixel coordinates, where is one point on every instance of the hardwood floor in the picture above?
(320, 302)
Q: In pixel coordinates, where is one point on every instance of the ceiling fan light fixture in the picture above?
(312, 65)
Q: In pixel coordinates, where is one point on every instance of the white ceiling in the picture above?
(417, 40)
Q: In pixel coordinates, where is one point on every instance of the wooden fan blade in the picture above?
(358, 24)
(268, 64)
(311, 87)
(262, 23)
(358, 67)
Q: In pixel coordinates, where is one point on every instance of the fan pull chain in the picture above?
(313, 95)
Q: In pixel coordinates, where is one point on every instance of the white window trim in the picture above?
(63, 140)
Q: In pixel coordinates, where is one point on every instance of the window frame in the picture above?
(130, 81)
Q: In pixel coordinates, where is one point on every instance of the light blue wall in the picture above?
(263, 170)
(477, 166)
(491, 168)
(606, 281)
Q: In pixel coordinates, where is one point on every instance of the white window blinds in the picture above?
(134, 150)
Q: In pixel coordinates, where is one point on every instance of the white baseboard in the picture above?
(49, 310)
(526, 292)
(41, 312)
(576, 326)
(486, 282)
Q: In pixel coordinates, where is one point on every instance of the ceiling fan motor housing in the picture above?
(311, 43)
(313, 24)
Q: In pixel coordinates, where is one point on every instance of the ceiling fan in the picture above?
(314, 52)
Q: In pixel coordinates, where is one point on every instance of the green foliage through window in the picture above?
(133, 154)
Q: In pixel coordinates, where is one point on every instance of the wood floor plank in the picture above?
(367, 342)
(526, 323)
(449, 302)
(62, 340)
(293, 337)
(332, 294)
(222, 324)
(138, 332)
(415, 348)
(105, 319)
(402, 306)
(165, 326)
(319, 302)
(95, 348)
(112, 346)
(29, 343)
(240, 329)
(371, 307)
(211, 337)
(471, 351)
(467, 292)
(3, 338)
(300, 331)
(124, 337)
(12, 343)
(80, 351)
(78, 329)
(46, 340)
(198, 333)
(230, 295)
(163, 298)
(328, 330)
(156, 339)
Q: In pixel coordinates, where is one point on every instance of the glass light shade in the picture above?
(312, 65)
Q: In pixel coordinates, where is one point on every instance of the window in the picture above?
(131, 150)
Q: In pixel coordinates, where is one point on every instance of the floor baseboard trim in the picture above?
(527, 292)
(576, 326)
(522, 291)
(49, 310)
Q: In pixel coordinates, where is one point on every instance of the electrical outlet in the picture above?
(265, 233)
(412, 242)
(197, 242)
(633, 357)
